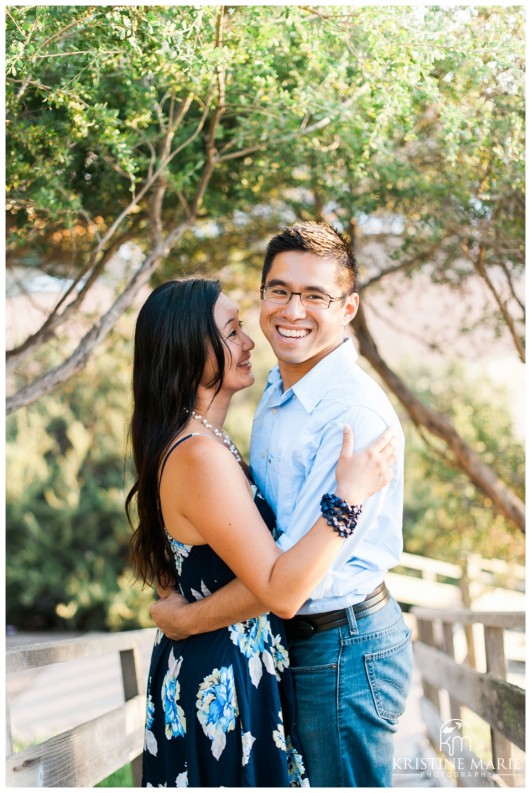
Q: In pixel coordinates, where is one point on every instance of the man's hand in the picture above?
(179, 618)
(166, 611)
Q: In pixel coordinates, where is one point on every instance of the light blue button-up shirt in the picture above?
(295, 445)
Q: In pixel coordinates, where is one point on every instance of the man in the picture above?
(350, 648)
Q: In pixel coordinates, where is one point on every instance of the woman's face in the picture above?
(238, 346)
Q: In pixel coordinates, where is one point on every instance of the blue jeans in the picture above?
(351, 685)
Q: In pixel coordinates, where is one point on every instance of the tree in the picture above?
(174, 117)
(146, 112)
(444, 515)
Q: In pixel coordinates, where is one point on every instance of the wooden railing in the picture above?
(430, 582)
(88, 753)
(419, 580)
(488, 694)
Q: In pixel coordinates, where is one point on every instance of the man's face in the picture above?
(300, 336)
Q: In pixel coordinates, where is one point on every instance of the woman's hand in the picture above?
(362, 473)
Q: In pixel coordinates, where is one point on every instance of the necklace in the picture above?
(221, 434)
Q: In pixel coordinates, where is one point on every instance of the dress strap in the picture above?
(192, 435)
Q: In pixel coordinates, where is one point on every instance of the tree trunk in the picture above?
(503, 499)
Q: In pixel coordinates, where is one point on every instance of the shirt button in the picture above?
(262, 455)
(273, 411)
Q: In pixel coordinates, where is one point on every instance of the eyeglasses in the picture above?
(281, 296)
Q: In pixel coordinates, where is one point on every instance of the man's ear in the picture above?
(350, 308)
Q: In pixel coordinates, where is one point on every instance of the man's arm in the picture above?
(178, 619)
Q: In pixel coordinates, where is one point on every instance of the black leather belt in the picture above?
(305, 625)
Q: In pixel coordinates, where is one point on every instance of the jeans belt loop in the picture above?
(352, 621)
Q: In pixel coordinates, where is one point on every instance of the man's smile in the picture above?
(292, 333)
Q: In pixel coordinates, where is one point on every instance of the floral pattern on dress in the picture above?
(182, 778)
(280, 656)
(278, 735)
(252, 636)
(150, 742)
(296, 767)
(150, 711)
(174, 718)
(205, 592)
(217, 707)
(247, 745)
(180, 552)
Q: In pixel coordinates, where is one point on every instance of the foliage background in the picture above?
(184, 137)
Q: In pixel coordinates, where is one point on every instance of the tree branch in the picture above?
(48, 381)
(211, 150)
(55, 37)
(15, 356)
(479, 265)
(324, 122)
(403, 265)
(504, 501)
(55, 318)
(512, 289)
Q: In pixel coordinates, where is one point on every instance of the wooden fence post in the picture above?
(500, 704)
(132, 683)
(448, 639)
(466, 585)
(9, 735)
(426, 635)
(496, 664)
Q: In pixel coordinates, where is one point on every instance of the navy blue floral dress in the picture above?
(220, 705)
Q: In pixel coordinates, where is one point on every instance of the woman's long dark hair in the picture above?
(172, 333)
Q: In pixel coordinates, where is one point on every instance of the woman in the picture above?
(220, 704)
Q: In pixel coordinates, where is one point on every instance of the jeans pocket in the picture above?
(389, 673)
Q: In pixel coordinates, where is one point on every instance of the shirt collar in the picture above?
(311, 388)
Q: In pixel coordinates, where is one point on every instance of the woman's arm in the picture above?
(208, 490)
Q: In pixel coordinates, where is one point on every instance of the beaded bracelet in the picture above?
(339, 515)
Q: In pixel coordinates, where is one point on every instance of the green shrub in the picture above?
(67, 535)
